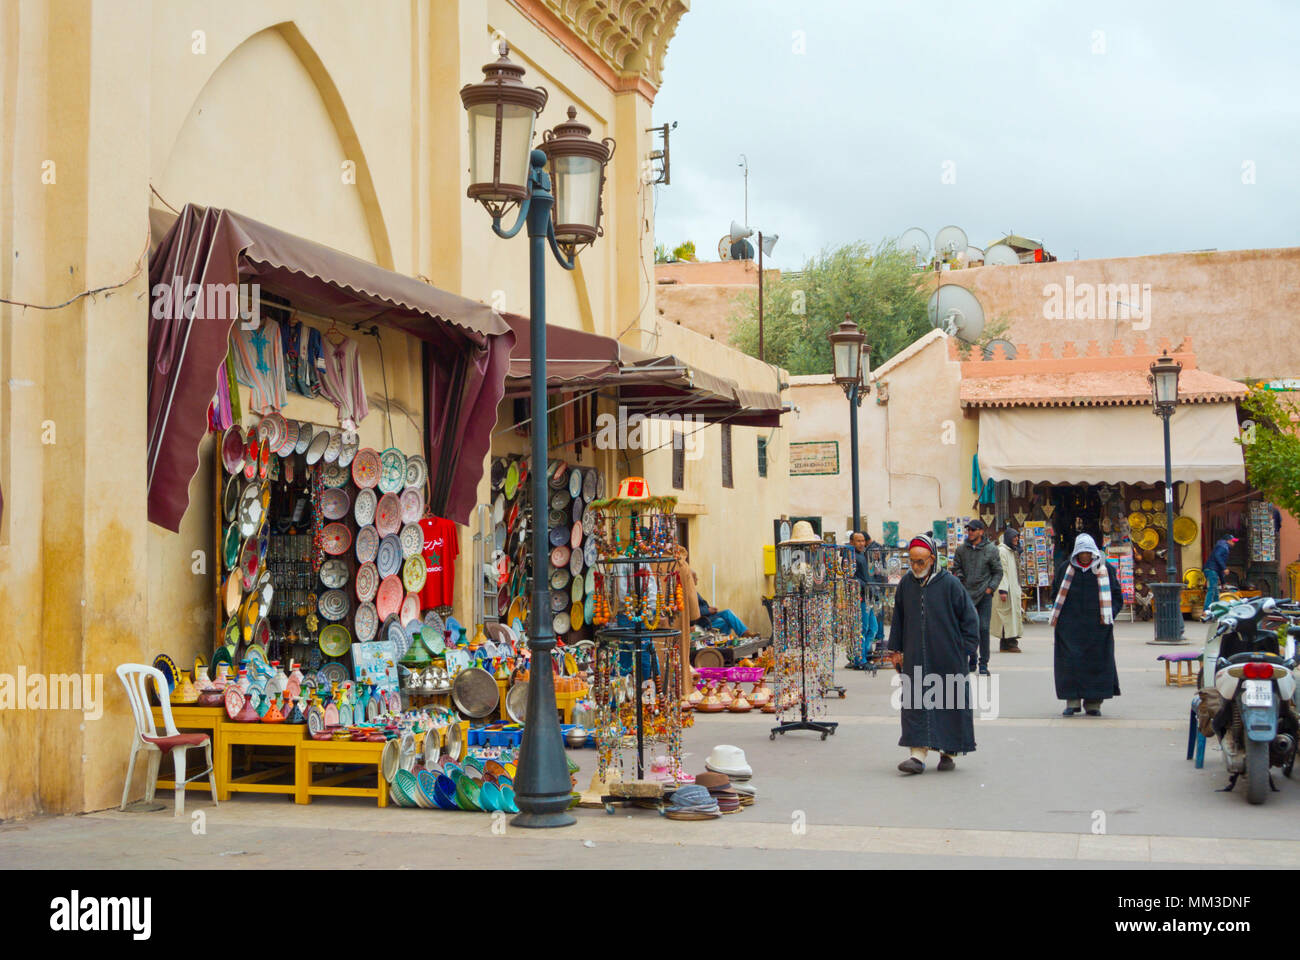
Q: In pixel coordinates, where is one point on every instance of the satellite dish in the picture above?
(1000, 255)
(1008, 348)
(739, 232)
(724, 248)
(955, 310)
(949, 242)
(918, 241)
(974, 255)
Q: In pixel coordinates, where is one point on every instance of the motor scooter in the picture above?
(1255, 717)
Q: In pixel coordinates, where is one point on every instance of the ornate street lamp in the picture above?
(1163, 379)
(852, 356)
(506, 172)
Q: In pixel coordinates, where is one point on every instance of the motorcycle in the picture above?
(1254, 713)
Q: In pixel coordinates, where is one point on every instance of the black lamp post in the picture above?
(1164, 398)
(506, 172)
(852, 356)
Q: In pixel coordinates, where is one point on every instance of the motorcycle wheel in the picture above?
(1256, 771)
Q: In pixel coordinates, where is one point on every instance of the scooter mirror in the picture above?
(1266, 604)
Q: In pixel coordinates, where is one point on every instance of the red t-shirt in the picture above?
(440, 550)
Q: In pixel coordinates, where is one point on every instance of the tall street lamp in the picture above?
(852, 355)
(506, 172)
(1164, 397)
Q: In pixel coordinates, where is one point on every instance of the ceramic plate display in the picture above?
(445, 793)
(388, 599)
(332, 673)
(388, 514)
(304, 437)
(365, 468)
(589, 485)
(417, 471)
(333, 604)
(588, 520)
(560, 501)
(363, 510)
(575, 562)
(575, 482)
(600, 486)
(412, 504)
(575, 512)
(366, 622)
(248, 563)
(589, 607)
(367, 544)
(336, 539)
(512, 481)
(348, 450)
(499, 536)
(558, 536)
(412, 540)
(576, 613)
(388, 759)
(331, 453)
(164, 663)
(425, 786)
(316, 449)
(367, 581)
(230, 498)
(414, 574)
(334, 504)
(560, 556)
(575, 590)
(517, 702)
(410, 612)
(332, 475)
(589, 553)
(232, 450)
(559, 600)
(433, 630)
(392, 477)
(557, 474)
(559, 578)
(335, 640)
(250, 510)
(315, 719)
(290, 439)
(389, 557)
(334, 573)
(575, 535)
(230, 546)
(234, 700)
(250, 456)
(560, 623)
(393, 631)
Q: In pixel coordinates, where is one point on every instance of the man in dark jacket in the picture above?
(935, 628)
(863, 557)
(1216, 567)
(977, 565)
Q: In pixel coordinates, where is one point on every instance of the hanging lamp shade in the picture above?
(577, 168)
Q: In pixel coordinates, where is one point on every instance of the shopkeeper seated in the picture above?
(723, 621)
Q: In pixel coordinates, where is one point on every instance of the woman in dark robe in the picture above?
(1084, 617)
(936, 629)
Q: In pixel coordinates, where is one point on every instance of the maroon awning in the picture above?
(467, 352)
(574, 358)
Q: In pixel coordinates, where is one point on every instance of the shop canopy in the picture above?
(1109, 444)
(466, 346)
(575, 359)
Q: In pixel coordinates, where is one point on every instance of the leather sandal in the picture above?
(912, 765)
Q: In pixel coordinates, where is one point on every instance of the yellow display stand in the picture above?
(257, 735)
(190, 719)
(349, 752)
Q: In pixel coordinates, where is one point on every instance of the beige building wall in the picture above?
(704, 296)
(334, 120)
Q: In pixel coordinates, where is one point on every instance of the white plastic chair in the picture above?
(133, 677)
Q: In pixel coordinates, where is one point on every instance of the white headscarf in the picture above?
(1083, 543)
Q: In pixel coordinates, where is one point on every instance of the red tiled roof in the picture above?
(1090, 388)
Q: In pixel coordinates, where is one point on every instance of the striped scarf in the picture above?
(1103, 590)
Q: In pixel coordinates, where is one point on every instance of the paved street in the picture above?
(1029, 796)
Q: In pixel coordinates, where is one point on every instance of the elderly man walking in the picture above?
(977, 565)
(1006, 623)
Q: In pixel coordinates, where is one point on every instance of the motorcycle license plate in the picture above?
(1257, 693)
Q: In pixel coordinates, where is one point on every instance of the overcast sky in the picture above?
(1106, 129)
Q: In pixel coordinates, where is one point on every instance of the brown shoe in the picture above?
(1009, 646)
(947, 763)
(912, 765)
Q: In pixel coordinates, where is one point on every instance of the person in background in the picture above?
(1083, 615)
(977, 566)
(722, 620)
(871, 628)
(936, 630)
(1005, 622)
(1217, 566)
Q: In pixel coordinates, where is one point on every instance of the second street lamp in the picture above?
(1163, 379)
(506, 172)
(852, 356)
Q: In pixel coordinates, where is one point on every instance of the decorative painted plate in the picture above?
(575, 536)
(334, 504)
(388, 600)
(290, 439)
(575, 482)
(230, 498)
(499, 509)
(363, 510)
(365, 468)
(410, 612)
(575, 562)
(332, 475)
(412, 501)
(512, 481)
(250, 456)
(394, 632)
(576, 589)
(588, 520)
(317, 447)
(433, 630)
(575, 511)
(394, 701)
(412, 540)
(560, 500)
(331, 453)
(389, 558)
(367, 582)
(417, 471)
(589, 485)
(234, 700)
(230, 546)
(334, 573)
(232, 450)
(388, 759)
(392, 477)
(345, 714)
(589, 607)
(165, 664)
(388, 515)
(559, 578)
(367, 544)
(304, 437)
(414, 574)
(315, 719)
(330, 674)
(336, 539)
(335, 640)
(333, 605)
(366, 622)
(348, 451)
(589, 552)
(560, 556)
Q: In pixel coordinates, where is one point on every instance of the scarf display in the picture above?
(1085, 544)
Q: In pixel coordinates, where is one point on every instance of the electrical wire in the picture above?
(140, 264)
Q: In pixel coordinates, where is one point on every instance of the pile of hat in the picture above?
(729, 775)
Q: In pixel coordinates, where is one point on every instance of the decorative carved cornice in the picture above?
(624, 42)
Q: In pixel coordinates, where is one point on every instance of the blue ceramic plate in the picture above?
(445, 794)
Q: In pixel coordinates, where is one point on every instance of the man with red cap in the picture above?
(936, 629)
(1217, 566)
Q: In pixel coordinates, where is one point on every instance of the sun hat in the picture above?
(802, 533)
(729, 760)
(692, 802)
(713, 781)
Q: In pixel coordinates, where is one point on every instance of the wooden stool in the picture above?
(1180, 677)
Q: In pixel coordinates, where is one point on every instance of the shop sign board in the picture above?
(815, 458)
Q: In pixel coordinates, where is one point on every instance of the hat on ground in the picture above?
(692, 802)
(728, 801)
(729, 760)
(713, 781)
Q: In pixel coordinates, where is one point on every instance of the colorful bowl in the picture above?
(445, 793)
(508, 800)
(489, 797)
(467, 794)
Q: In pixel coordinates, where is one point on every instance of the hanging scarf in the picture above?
(1085, 544)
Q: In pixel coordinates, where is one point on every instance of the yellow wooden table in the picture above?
(261, 735)
(192, 719)
(565, 703)
(351, 752)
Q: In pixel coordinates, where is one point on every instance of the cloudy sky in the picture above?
(1107, 129)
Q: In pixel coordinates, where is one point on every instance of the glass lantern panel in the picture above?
(516, 144)
(577, 190)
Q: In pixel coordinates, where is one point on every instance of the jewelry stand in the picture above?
(803, 723)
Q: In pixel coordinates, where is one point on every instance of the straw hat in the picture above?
(802, 533)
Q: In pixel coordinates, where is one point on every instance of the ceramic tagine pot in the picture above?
(761, 695)
(740, 705)
(248, 714)
(293, 683)
(695, 697)
(273, 714)
(295, 715)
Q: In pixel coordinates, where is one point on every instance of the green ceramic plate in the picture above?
(335, 640)
(467, 791)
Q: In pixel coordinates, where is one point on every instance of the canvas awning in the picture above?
(466, 346)
(667, 385)
(1110, 444)
(575, 359)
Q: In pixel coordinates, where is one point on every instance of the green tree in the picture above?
(878, 288)
(1270, 442)
(684, 251)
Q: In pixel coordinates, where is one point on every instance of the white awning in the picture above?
(1109, 444)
